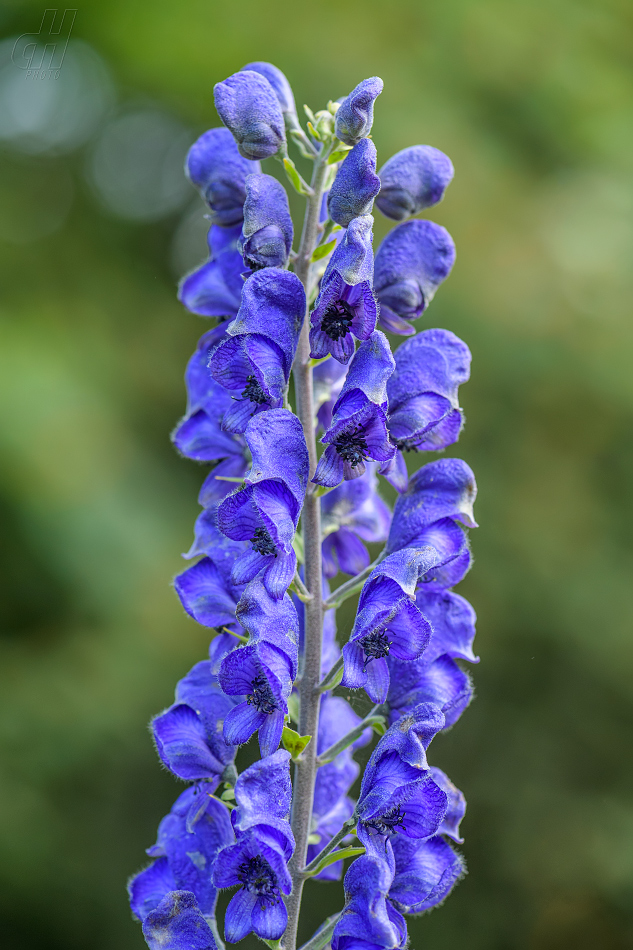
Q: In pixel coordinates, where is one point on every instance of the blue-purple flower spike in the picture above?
(299, 410)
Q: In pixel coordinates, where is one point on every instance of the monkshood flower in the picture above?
(453, 621)
(411, 263)
(426, 871)
(263, 671)
(328, 378)
(368, 919)
(413, 179)
(177, 924)
(266, 239)
(359, 431)
(215, 288)
(355, 115)
(388, 623)
(265, 511)
(355, 186)
(200, 435)
(206, 590)
(257, 862)
(184, 853)
(249, 107)
(424, 411)
(440, 496)
(332, 806)
(351, 514)
(215, 166)
(441, 682)
(186, 734)
(280, 84)
(346, 306)
(254, 362)
(398, 794)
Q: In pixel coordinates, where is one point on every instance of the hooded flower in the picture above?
(215, 166)
(215, 288)
(438, 501)
(350, 514)
(200, 435)
(388, 623)
(441, 682)
(186, 734)
(263, 671)
(358, 430)
(346, 306)
(424, 410)
(254, 362)
(413, 179)
(355, 186)
(189, 839)
(411, 263)
(266, 239)
(248, 105)
(368, 920)
(177, 924)
(266, 510)
(279, 83)
(398, 794)
(257, 862)
(355, 115)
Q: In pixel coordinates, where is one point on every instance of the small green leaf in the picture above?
(295, 178)
(336, 679)
(314, 838)
(273, 944)
(334, 856)
(336, 156)
(293, 707)
(321, 490)
(379, 728)
(228, 478)
(313, 132)
(322, 251)
(297, 546)
(293, 742)
(310, 114)
(228, 795)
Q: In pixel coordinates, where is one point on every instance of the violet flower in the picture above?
(369, 920)
(388, 623)
(441, 682)
(438, 501)
(177, 924)
(346, 306)
(249, 107)
(355, 115)
(206, 590)
(424, 410)
(184, 853)
(257, 862)
(254, 362)
(398, 793)
(411, 263)
(327, 379)
(355, 186)
(358, 429)
(215, 288)
(266, 239)
(280, 85)
(215, 166)
(351, 514)
(266, 510)
(413, 179)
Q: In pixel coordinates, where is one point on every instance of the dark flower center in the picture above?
(254, 391)
(405, 445)
(388, 823)
(262, 697)
(375, 645)
(263, 543)
(352, 448)
(337, 319)
(253, 264)
(257, 877)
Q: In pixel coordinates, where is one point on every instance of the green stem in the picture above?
(372, 718)
(351, 587)
(322, 938)
(347, 828)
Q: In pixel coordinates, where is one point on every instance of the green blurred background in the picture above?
(533, 101)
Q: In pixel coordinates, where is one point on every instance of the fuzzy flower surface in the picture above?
(215, 288)
(248, 105)
(355, 115)
(266, 239)
(218, 170)
(356, 184)
(412, 180)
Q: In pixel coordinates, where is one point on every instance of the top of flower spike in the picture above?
(218, 170)
(355, 115)
(248, 105)
(279, 83)
(413, 179)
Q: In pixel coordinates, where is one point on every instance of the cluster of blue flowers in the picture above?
(324, 308)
